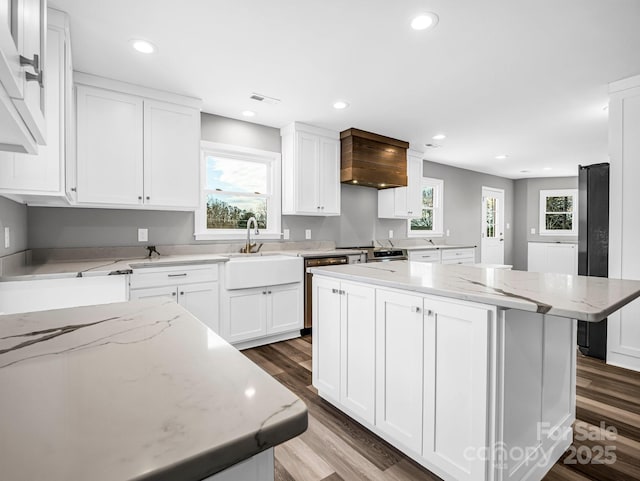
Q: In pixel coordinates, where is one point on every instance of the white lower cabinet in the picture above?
(413, 369)
(464, 255)
(344, 369)
(195, 288)
(455, 391)
(399, 377)
(552, 257)
(259, 312)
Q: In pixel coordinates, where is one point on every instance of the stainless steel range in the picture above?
(383, 254)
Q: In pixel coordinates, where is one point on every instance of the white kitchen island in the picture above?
(469, 371)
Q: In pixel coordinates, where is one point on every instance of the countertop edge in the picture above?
(208, 463)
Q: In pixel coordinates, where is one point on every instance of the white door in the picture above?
(245, 315)
(326, 337)
(284, 308)
(171, 155)
(201, 300)
(399, 367)
(357, 372)
(109, 126)
(492, 237)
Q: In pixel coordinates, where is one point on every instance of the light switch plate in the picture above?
(143, 235)
(448, 232)
(533, 230)
(286, 234)
(307, 234)
(7, 237)
(390, 233)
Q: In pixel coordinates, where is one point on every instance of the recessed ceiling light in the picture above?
(424, 21)
(439, 137)
(143, 46)
(340, 104)
(547, 168)
(249, 113)
(525, 171)
(501, 156)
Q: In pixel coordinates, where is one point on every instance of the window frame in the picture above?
(274, 205)
(542, 211)
(438, 209)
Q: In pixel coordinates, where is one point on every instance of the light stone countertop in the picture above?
(102, 267)
(131, 391)
(579, 297)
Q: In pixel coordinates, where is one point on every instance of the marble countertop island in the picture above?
(131, 391)
(577, 297)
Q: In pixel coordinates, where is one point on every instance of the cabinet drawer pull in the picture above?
(341, 292)
(184, 274)
(268, 292)
(335, 291)
(34, 62)
(264, 293)
(173, 293)
(139, 197)
(415, 309)
(429, 313)
(32, 77)
(148, 198)
(182, 293)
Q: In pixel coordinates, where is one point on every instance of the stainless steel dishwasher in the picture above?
(308, 283)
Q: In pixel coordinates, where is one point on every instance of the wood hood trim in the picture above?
(372, 160)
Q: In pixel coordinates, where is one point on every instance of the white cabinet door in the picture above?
(44, 172)
(201, 300)
(307, 149)
(245, 315)
(357, 352)
(399, 367)
(326, 337)
(110, 147)
(171, 154)
(329, 176)
(455, 386)
(153, 292)
(284, 308)
(31, 35)
(553, 257)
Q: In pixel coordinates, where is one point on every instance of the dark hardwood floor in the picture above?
(337, 448)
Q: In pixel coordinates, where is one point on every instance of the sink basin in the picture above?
(258, 271)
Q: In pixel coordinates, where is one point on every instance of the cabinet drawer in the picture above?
(452, 254)
(462, 260)
(173, 275)
(430, 255)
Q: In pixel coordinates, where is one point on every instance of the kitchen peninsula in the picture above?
(135, 391)
(470, 371)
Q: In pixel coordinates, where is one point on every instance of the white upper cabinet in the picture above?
(171, 143)
(135, 151)
(22, 62)
(41, 178)
(404, 202)
(110, 143)
(310, 170)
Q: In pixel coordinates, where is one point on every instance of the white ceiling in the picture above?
(527, 78)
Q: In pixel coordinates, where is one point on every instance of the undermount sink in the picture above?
(243, 272)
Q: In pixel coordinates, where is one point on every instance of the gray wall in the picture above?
(463, 204)
(527, 212)
(14, 216)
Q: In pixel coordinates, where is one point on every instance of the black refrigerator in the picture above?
(593, 247)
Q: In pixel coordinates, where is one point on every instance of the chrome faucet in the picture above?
(248, 246)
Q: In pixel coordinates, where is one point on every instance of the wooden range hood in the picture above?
(372, 160)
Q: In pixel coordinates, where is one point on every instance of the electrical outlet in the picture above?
(7, 237)
(307, 234)
(286, 234)
(533, 230)
(390, 233)
(143, 235)
(448, 232)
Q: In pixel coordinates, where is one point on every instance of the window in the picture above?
(238, 183)
(558, 212)
(430, 223)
